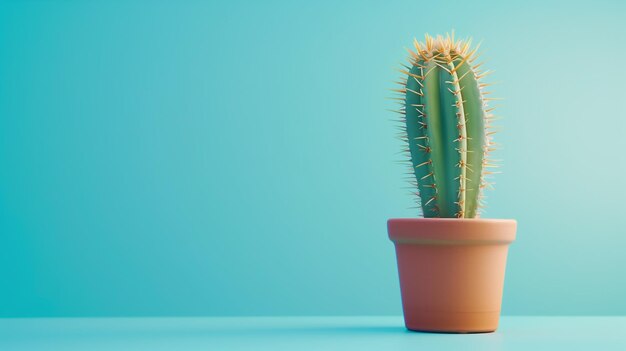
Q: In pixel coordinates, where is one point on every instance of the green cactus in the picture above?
(446, 126)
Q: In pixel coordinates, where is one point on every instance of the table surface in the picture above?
(303, 333)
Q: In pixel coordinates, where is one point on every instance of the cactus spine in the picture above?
(445, 124)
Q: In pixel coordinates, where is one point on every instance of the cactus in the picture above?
(446, 126)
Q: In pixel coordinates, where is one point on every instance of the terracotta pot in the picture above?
(451, 271)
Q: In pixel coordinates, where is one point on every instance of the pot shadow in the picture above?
(347, 330)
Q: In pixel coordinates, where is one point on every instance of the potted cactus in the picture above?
(451, 263)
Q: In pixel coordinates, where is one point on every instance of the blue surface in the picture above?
(305, 333)
(237, 158)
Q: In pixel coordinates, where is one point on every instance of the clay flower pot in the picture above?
(451, 271)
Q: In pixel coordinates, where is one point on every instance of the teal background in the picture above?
(237, 158)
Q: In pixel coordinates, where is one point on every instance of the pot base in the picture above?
(453, 322)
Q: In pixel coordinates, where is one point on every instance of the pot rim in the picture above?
(451, 231)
